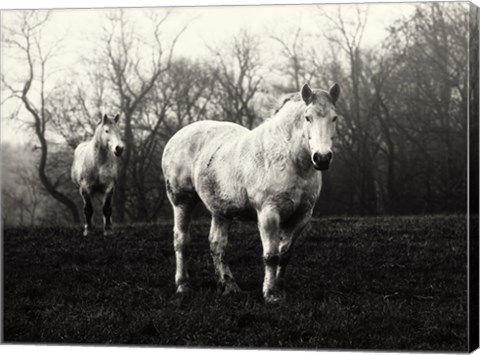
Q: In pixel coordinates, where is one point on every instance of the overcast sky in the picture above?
(218, 23)
(208, 25)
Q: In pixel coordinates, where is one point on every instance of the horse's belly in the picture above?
(241, 213)
(224, 198)
(222, 191)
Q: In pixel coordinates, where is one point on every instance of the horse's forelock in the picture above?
(318, 93)
(325, 94)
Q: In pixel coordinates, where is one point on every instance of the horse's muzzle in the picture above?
(321, 161)
(118, 150)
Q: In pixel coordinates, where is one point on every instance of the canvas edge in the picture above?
(473, 180)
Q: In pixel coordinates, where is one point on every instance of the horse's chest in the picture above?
(107, 174)
(102, 177)
(287, 195)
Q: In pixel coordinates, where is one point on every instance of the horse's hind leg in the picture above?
(182, 214)
(218, 239)
(107, 212)
(88, 210)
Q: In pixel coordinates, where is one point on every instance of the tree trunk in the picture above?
(40, 132)
(121, 186)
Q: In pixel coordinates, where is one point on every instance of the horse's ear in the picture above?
(104, 119)
(307, 94)
(334, 92)
(117, 116)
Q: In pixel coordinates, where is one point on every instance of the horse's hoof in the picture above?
(86, 232)
(179, 299)
(107, 233)
(230, 288)
(275, 297)
(183, 289)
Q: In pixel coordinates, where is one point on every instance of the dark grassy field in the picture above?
(356, 283)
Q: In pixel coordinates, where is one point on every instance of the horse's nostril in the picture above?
(118, 150)
(317, 158)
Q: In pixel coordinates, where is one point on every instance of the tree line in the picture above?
(401, 145)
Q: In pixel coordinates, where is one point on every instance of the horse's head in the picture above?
(109, 135)
(320, 123)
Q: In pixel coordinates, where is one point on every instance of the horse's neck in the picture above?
(100, 152)
(286, 134)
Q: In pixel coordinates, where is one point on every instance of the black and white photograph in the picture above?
(253, 176)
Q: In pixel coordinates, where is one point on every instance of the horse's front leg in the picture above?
(268, 224)
(288, 236)
(88, 210)
(218, 239)
(107, 212)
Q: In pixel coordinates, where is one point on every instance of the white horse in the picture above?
(269, 173)
(95, 170)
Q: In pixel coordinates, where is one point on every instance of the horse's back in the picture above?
(190, 148)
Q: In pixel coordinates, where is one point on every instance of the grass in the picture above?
(387, 283)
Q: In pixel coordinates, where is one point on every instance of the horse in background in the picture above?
(270, 173)
(95, 170)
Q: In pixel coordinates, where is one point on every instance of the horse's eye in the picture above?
(308, 118)
(334, 118)
(106, 131)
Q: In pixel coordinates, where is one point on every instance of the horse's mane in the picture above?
(287, 98)
(297, 97)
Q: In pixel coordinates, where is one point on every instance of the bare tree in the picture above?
(33, 193)
(133, 77)
(431, 91)
(238, 79)
(13, 206)
(78, 106)
(348, 35)
(26, 39)
(292, 48)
